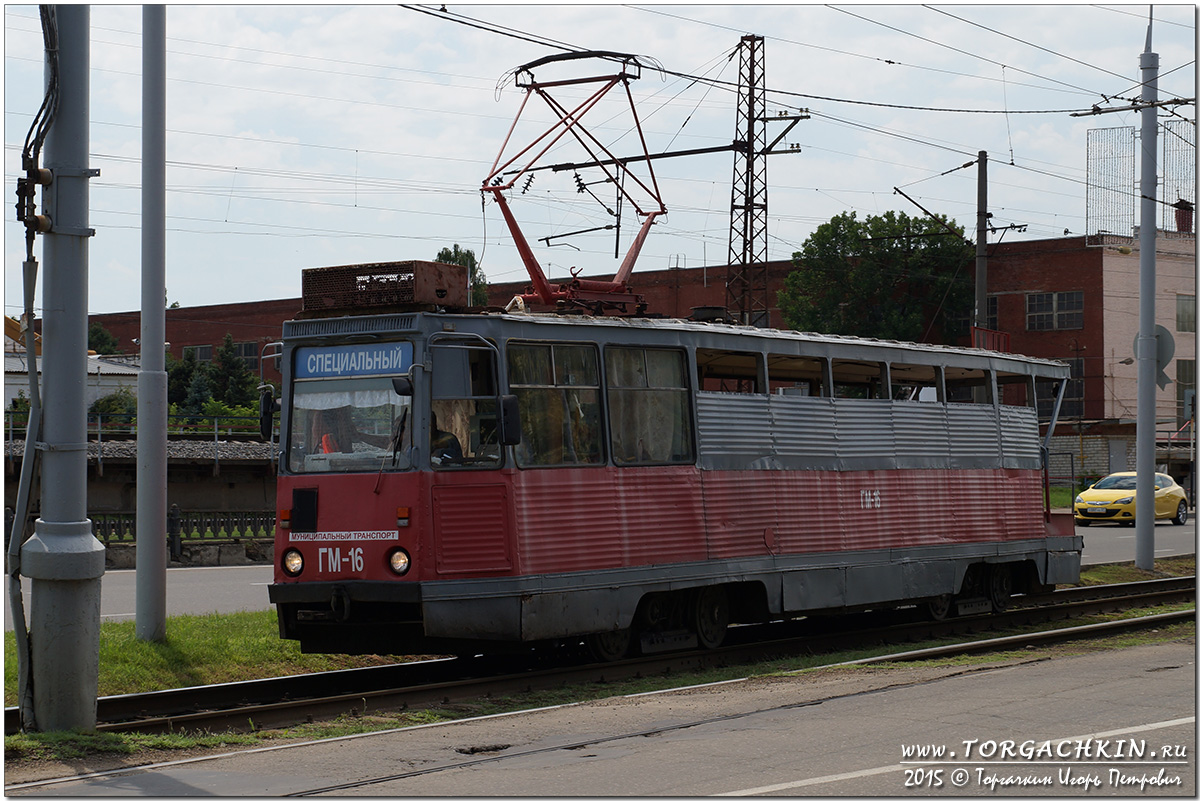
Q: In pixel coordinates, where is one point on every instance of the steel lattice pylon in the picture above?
(746, 282)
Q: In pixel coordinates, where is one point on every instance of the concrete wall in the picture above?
(112, 487)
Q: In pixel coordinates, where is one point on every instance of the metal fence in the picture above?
(194, 526)
(99, 425)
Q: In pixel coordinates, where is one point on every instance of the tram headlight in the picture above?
(399, 561)
(293, 562)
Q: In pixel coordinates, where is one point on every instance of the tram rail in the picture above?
(289, 700)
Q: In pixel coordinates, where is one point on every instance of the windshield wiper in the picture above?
(397, 438)
(398, 434)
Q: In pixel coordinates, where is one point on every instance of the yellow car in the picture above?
(1113, 499)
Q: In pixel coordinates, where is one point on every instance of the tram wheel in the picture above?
(1000, 587)
(609, 646)
(939, 608)
(711, 616)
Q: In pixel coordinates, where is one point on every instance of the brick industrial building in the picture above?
(1056, 298)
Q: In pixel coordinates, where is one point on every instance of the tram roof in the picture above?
(331, 326)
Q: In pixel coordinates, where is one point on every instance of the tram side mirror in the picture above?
(510, 420)
(403, 386)
(268, 404)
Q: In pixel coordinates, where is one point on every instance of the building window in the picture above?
(962, 323)
(1185, 388)
(1049, 311)
(1072, 404)
(203, 353)
(1185, 313)
(248, 351)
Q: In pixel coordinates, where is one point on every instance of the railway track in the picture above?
(290, 700)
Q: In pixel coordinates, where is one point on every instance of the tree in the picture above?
(887, 276)
(101, 340)
(232, 382)
(179, 375)
(475, 276)
(199, 392)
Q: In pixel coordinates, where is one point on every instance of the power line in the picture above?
(957, 50)
(463, 20)
(1030, 44)
(885, 61)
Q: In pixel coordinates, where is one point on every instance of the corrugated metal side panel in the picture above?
(740, 513)
(471, 526)
(864, 434)
(804, 431)
(850, 511)
(1021, 445)
(867, 500)
(566, 520)
(973, 436)
(809, 519)
(921, 435)
(661, 514)
(914, 507)
(734, 430)
(1023, 518)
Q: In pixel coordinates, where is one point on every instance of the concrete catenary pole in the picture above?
(1147, 342)
(62, 559)
(151, 597)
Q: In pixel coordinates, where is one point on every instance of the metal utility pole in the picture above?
(746, 280)
(151, 596)
(746, 284)
(1147, 343)
(981, 232)
(62, 558)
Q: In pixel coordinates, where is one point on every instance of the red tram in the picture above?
(458, 483)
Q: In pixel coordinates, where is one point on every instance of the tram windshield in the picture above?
(349, 424)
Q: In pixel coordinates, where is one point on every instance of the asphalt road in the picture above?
(1111, 723)
(1103, 544)
(190, 591)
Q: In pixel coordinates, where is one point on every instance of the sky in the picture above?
(304, 136)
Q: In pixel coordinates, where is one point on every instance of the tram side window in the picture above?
(858, 379)
(967, 385)
(649, 407)
(796, 375)
(463, 431)
(728, 371)
(558, 391)
(1015, 389)
(914, 382)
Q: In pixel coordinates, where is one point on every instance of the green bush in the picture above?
(123, 401)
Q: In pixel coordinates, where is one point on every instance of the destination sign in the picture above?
(390, 358)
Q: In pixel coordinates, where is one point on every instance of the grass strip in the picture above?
(198, 650)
